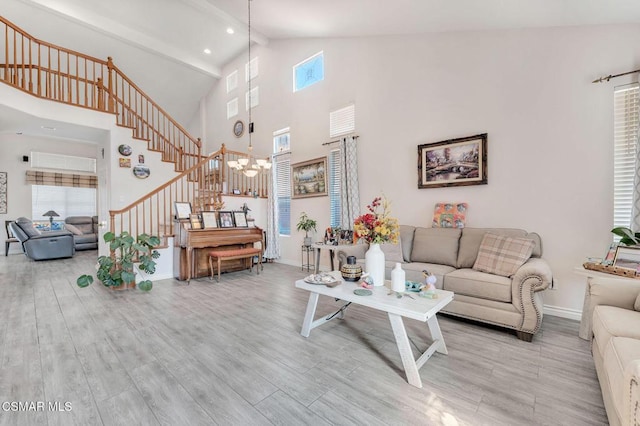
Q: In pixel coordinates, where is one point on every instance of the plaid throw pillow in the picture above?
(502, 255)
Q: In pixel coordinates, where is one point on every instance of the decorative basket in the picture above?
(609, 269)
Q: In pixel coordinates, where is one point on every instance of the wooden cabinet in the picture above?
(192, 246)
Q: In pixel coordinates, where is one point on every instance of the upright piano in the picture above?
(192, 246)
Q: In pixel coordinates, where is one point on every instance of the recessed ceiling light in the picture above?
(207, 51)
(48, 128)
(230, 30)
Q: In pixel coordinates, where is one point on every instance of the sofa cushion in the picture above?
(436, 245)
(618, 354)
(612, 321)
(393, 252)
(406, 238)
(472, 237)
(72, 229)
(83, 223)
(479, 284)
(27, 227)
(502, 255)
(413, 272)
(636, 305)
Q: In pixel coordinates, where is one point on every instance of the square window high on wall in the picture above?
(308, 72)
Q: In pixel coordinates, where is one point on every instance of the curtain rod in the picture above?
(609, 77)
(329, 143)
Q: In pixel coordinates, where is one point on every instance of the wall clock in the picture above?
(238, 128)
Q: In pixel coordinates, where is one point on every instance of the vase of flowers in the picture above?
(376, 227)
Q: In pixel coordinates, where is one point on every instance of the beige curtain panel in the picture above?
(61, 179)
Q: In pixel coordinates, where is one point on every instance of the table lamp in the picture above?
(51, 214)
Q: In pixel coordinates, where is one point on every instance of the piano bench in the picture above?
(241, 253)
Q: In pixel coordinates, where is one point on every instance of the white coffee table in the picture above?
(416, 307)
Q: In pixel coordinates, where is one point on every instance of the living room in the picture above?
(550, 130)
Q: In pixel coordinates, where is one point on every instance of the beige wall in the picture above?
(550, 129)
(12, 148)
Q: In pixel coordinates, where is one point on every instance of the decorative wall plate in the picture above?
(124, 150)
(141, 171)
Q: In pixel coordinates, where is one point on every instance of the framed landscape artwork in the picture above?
(309, 178)
(454, 162)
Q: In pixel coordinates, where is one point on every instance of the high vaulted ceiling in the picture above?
(160, 44)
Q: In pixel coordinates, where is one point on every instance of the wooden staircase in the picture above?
(52, 72)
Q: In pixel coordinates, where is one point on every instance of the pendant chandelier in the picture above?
(246, 165)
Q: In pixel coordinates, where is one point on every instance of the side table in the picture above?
(332, 249)
(308, 252)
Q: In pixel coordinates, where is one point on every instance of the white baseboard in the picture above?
(557, 311)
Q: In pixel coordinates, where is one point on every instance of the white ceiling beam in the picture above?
(125, 34)
(206, 7)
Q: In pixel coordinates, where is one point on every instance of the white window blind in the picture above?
(342, 121)
(283, 193)
(626, 109)
(334, 189)
(64, 200)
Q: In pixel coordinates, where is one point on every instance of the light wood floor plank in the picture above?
(232, 353)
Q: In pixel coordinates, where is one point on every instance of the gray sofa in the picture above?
(613, 306)
(42, 245)
(84, 230)
(514, 302)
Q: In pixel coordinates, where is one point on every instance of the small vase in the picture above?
(397, 279)
(374, 264)
(351, 271)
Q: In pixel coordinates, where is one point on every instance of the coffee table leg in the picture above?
(436, 335)
(311, 312)
(402, 340)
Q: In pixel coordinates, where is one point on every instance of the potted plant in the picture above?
(306, 224)
(629, 238)
(117, 270)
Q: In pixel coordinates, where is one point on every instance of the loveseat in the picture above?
(84, 230)
(42, 245)
(512, 300)
(613, 306)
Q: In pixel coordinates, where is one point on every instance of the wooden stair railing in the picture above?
(202, 185)
(52, 72)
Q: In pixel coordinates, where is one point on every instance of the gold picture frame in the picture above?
(309, 178)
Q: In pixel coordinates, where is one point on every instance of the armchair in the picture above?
(42, 246)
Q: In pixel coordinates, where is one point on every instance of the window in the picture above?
(625, 122)
(335, 217)
(282, 166)
(283, 193)
(342, 121)
(308, 72)
(281, 140)
(64, 200)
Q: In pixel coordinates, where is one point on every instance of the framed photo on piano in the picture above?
(183, 210)
(209, 220)
(240, 218)
(226, 220)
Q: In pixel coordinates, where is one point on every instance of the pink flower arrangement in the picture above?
(377, 227)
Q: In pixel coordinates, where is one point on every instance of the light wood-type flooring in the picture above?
(231, 353)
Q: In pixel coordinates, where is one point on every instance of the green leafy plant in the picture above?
(117, 269)
(629, 238)
(306, 224)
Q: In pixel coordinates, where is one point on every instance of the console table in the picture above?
(331, 248)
